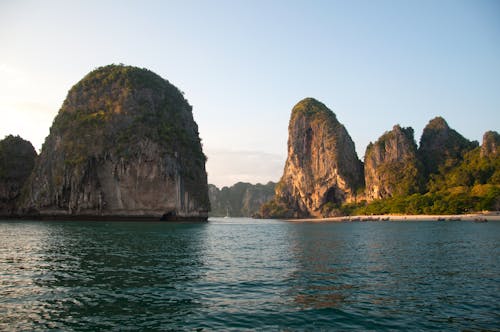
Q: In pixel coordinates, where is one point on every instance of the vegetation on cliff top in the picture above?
(17, 158)
(392, 159)
(472, 185)
(447, 174)
(441, 146)
(115, 106)
(120, 115)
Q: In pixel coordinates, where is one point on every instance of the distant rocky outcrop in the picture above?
(491, 143)
(17, 158)
(240, 200)
(124, 144)
(322, 170)
(441, 146)
(391, 165)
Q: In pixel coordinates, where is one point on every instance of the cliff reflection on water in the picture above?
(234, 274)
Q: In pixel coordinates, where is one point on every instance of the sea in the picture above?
(236, 274)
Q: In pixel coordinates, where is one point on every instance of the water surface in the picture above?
(239, 274)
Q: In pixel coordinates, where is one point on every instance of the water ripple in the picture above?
(242, 274)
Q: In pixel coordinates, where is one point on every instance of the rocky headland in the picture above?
(323, 177)
(124, 145)
(322, 170)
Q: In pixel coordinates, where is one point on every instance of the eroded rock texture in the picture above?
(124, 144)
(491, 142)
(441, 146)
(322, 169)
(391, 165)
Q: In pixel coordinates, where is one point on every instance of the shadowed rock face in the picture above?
(391, 165)
(17, 158)
(240, 200)
(322, 166)
(491, 142)
(441, 146)
(123, 144)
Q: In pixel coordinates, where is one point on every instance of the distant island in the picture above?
(124, 145)
(323, 177)
(239, 200)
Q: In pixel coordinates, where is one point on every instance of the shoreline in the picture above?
(474, 217)
(105, 218)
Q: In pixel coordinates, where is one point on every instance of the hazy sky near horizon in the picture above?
(244, 64)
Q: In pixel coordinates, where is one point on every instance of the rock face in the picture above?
(491, 142)
(322, 170)
(240, 200)
(17, 158)
(391, 165)
(124, 144)
(441, 146)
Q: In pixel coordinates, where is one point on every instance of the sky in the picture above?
(243, 65)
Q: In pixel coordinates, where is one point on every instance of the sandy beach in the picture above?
(474, 217)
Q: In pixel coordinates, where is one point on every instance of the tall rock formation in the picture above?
(124, 144)
(240, 200)
(441, 146)
(391, 165)
(491, 144)
(322, 170)
(17, 158)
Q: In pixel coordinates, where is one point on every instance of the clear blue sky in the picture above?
(244, 64)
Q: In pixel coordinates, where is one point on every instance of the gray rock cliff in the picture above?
(240, 200)
(322, 169)
(441, 146)
(391, 165)
(124, 144)
(491, 143)
(17, 158)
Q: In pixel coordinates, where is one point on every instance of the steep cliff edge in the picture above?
(124, 144)
(441, 146)
(491, 143)
(322, 169)
(17, 158)
(391, 165)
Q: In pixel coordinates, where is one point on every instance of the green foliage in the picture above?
(472, 171)
(468, 183)
(114, 107)
(317, 112)
(330, 209)
(120, 110)
(442, 148)
(275, 209)
(444, 202)
(17, 158)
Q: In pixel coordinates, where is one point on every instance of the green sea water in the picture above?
(243, 274)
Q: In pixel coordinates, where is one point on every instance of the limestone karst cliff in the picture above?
(322, 169)
(239, 200)
(391, 165)
(491, 143)
(124, 144)
(17, 158)
(441, 146)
